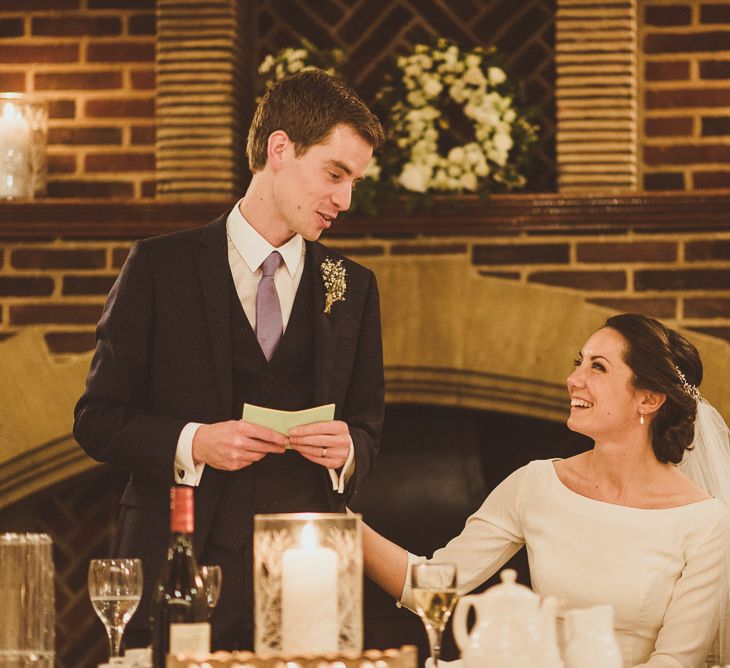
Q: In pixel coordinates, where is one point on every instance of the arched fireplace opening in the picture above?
(435, 467)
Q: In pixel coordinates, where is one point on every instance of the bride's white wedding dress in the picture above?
(664, 570)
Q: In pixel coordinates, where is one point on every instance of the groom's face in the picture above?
(312, 189)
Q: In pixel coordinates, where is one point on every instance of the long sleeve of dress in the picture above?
(693, 612)
(491, 536)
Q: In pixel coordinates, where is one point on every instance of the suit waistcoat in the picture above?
(278, 483)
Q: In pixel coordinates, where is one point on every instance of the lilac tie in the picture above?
(269, 326)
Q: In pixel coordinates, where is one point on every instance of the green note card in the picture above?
(283, 421)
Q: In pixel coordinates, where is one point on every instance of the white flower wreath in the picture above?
(416, 102)
(432, 78)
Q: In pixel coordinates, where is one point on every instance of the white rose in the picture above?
(503, 142)
(425, 61)
(414, 178)
(474, 76)
(497, 157)
(296, 54)
(457, 92)
(416, 98)
(496, 76)
(481, 169)
(431, 134)
(457, 155)
(472, 60)
(468, 181)
(432, 87)
(452, 53)
(266, 64)
(295, 66)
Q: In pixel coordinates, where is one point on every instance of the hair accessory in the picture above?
(688, 388)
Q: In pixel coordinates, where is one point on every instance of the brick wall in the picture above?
(94, 61)
(683, 278)
(58, 286)
(686, 94)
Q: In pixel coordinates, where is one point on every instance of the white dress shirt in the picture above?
(247, 250)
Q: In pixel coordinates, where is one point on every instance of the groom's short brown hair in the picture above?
(307, 106)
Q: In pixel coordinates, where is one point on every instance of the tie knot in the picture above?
(271, 263)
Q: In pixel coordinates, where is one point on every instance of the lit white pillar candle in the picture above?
(15, 136)
(309, 622)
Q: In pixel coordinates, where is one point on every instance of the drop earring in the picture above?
(641, 416)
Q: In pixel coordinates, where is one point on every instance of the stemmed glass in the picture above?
(434, 595)
(115, 588)
(212, 577)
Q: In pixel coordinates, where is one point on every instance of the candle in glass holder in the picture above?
(309, 598)
(15, 140)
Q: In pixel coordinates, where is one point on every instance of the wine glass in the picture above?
(212, 577)
(434, 595)
(115, 587)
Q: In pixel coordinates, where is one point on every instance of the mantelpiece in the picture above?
(499, 215)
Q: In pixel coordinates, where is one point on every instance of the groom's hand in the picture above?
(235, 444)
(324, 443)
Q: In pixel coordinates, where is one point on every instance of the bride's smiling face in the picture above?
(604, 404)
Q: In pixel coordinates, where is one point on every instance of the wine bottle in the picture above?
(179, 611)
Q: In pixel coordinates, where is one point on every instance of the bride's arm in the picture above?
(385, 562)
(491, 536)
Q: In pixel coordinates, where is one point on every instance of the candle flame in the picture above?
(9, 111)
(309, 537)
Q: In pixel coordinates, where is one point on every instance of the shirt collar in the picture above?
(254, 249)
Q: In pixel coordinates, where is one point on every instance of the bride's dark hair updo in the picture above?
(653, 353)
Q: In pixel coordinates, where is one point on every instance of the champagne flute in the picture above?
(212, 577)
(434, 594)
(115, 588)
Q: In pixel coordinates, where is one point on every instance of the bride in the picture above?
(621, 523)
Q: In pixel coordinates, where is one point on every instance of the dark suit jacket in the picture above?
(163, 359)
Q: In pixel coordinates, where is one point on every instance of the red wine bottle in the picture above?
(179, 611)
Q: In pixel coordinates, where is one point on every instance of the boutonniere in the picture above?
(333, 275)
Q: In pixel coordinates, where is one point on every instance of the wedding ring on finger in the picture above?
(324, 453)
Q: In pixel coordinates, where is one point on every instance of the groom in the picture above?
(250, 308)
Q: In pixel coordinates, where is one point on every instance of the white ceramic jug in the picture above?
(512, 629)
(589, 638)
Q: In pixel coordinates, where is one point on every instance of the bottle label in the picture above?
(190, 638)
(181, 509)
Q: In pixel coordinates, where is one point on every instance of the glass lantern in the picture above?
(23, 136)
(307, 584)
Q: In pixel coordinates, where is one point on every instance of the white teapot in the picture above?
(512, 628)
